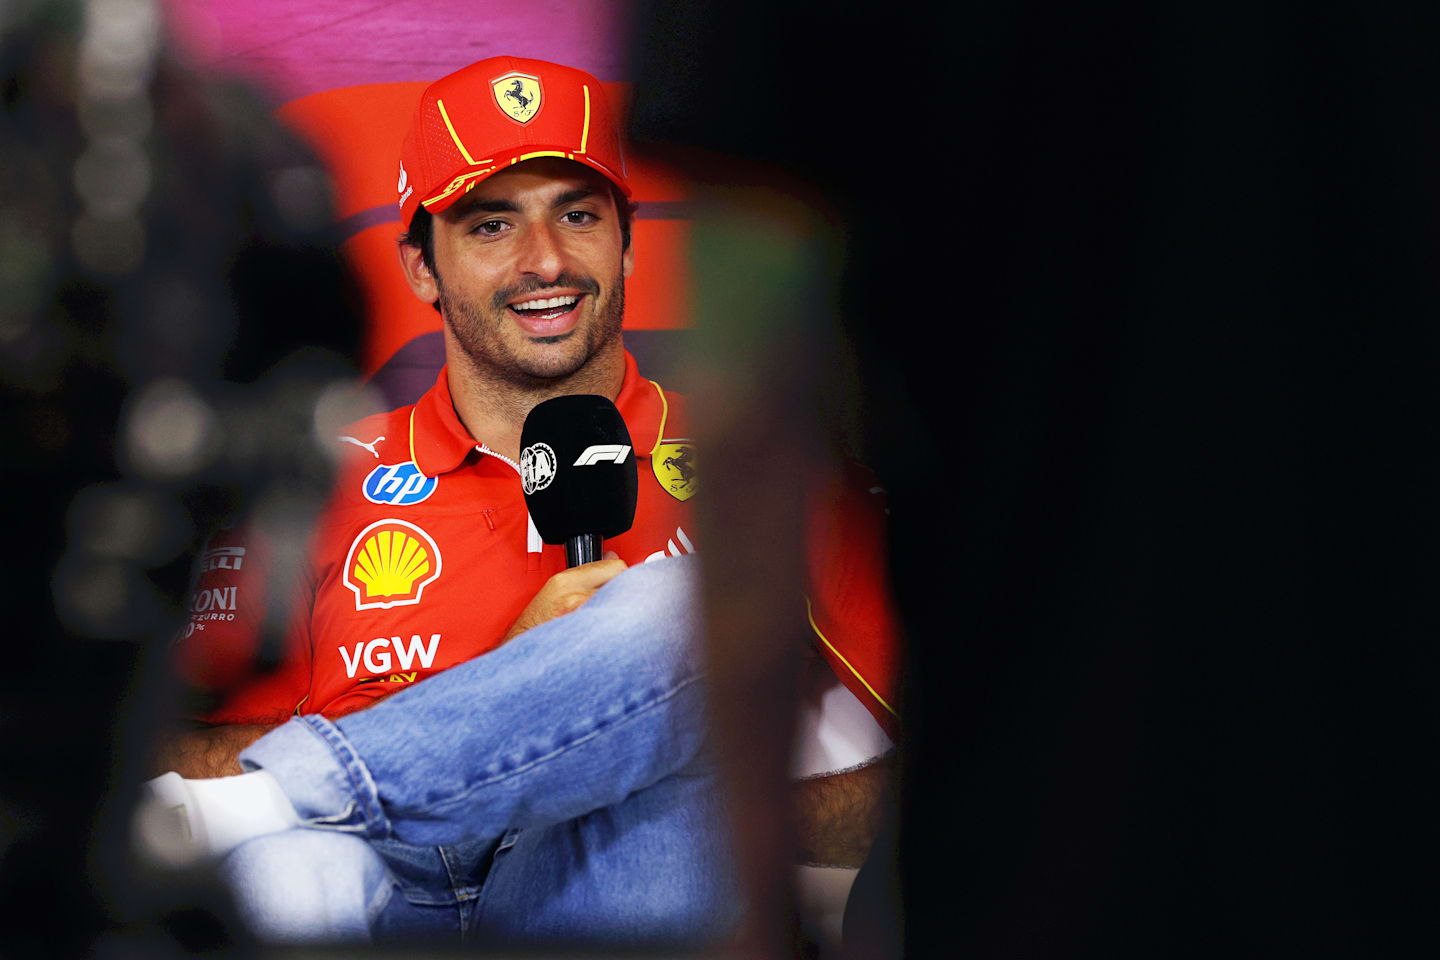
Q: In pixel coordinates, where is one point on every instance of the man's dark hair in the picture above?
(422, 231)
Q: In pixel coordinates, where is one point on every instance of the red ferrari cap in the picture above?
(501, 111)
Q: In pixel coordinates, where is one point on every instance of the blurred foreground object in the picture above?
(175, 337)
(1143, 305)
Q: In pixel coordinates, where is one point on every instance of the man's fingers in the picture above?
(566, 591)
(573, 601)
(589, 577)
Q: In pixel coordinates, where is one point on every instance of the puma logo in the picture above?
(368, 446)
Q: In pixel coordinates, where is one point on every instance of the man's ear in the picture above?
(627, 259)
(419, 276)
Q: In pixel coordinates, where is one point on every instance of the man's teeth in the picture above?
(548, 304)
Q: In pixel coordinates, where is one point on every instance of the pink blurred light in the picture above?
(298, 47)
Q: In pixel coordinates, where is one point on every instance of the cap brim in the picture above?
(464, 179)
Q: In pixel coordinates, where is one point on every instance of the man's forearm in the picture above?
(208, 751)
(838, 816)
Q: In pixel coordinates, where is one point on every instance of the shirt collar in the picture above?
(439, 442)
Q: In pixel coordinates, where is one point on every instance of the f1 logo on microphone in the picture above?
(602, 452)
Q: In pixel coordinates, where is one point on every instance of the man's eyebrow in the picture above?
(467, 206)
(570, 196)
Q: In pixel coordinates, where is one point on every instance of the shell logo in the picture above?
(389, 565)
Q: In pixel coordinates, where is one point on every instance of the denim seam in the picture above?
(497, 863)
(382, 898)
(418, 896)
(449, 867)
(362, 786)
(461, 891)
(336, 823)
(459, 798)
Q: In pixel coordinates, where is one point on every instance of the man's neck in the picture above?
(493, 409)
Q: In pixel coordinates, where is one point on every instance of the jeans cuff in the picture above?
(322, 775)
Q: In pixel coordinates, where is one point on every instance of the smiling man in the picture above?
(542, 236)
(532, 291)
(515, 204)
(556, 787)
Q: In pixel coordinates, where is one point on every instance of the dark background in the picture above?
(1144, 303)
(1145, 306)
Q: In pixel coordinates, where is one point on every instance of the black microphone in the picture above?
(577, 467)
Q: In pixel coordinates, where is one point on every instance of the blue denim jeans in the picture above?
(556, 789)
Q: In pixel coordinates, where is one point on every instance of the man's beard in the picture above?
(478, 331)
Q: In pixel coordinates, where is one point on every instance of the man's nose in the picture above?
(541, 254)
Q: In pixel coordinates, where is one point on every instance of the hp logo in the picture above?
(399, 485)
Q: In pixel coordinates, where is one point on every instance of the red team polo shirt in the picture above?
(425, 556)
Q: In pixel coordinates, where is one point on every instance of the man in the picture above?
(555, 787)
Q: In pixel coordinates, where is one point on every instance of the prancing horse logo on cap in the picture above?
(518, 94)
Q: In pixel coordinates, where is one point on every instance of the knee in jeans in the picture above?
(308, 885)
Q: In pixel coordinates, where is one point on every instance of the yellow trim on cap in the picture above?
(585, 130)
(453, 135)
(455, 185)
(810, 611)
(664, 414)
(538, 153)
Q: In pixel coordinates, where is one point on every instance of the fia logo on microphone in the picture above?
(537, 467)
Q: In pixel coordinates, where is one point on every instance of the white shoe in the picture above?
(179, 822)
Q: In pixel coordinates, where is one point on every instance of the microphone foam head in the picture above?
(577, 467)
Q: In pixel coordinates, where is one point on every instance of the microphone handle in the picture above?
(583, 548)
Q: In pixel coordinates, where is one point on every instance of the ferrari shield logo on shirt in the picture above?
(390, 564)
(518, 94)
(398, 484)
(674, 464)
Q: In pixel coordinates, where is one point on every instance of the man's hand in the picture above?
(208, 751)
(566, 591)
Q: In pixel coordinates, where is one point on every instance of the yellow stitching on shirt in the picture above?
(664, 413)
(810, 610)
(412, 443)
